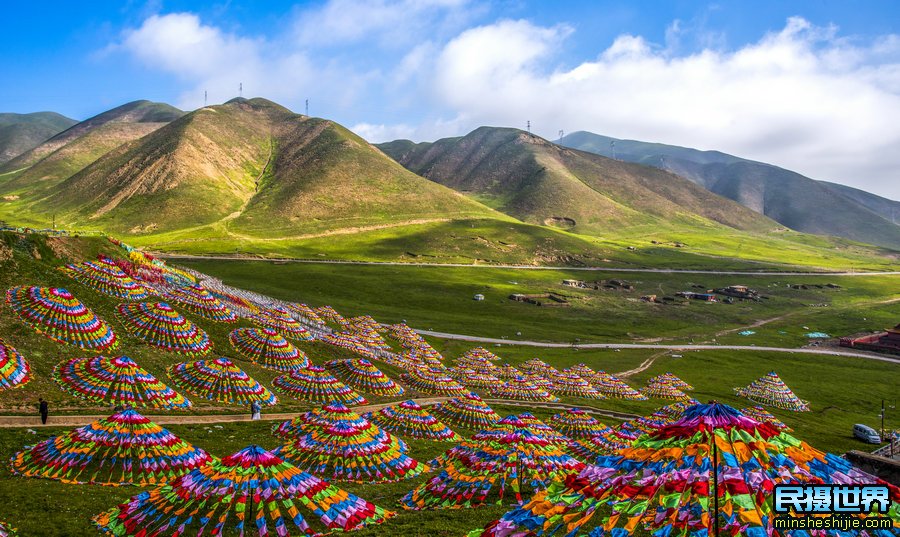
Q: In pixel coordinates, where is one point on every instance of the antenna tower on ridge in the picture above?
(240, 89)
(528, 125)
(307, 107)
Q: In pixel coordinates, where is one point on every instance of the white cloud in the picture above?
(801, 98)
(804, 98)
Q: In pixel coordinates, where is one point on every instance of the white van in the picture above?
(866, 434)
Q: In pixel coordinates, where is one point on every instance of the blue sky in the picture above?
(812, 86)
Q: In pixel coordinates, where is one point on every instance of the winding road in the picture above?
(658, 346)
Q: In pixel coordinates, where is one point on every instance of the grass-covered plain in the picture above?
(440, 298)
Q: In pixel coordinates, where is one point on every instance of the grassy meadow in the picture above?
(440, 298)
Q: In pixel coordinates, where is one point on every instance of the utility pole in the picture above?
(307, 107)
(240, 89)
(204, 98)
(612, 146)
(561, 134)
(528, 125)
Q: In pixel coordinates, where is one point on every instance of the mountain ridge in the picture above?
(22, 132)
(789, 198)
(537, 181)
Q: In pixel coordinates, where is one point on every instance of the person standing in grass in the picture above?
(255, 410)
(44, 409)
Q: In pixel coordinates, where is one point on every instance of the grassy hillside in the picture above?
(48, 172)
(21, 132)
(543, 183)
(322, 176)
(251, 166)
(789, 198)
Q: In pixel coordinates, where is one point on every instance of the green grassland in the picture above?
(506, 241)
(440, 298)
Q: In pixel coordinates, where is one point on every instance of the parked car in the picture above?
(866, 434)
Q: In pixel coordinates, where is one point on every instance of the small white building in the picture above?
(479, 297)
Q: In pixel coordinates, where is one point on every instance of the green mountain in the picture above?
(21, 132)
(789, 198)
(536, 181)
(134, 113)
(254, 165)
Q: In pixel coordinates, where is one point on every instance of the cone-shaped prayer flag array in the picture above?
(467, 411)
(14, 370)
(56, 314)
(106, 277)
(518, 460)
(7, 531)
(339, 444)
(615, 388)
(527, 421)
(521, 389)
(278, 318)
(302, 311)
(482, 354)
(363, 376)
(570, 384)
(346, 340)
(316, 385)
(671, 380)
(665, 391)
(330, 315)
(472, 379)
(432, 381)
(221, 381)
(410, 419)
(164, 328)
(268, 348)
(576, 423)
(762, 415)
(116, 381)
(771, 390)
(252, 491)
(538, 366)
(198, 300)
(125, 448)
(712, 472)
